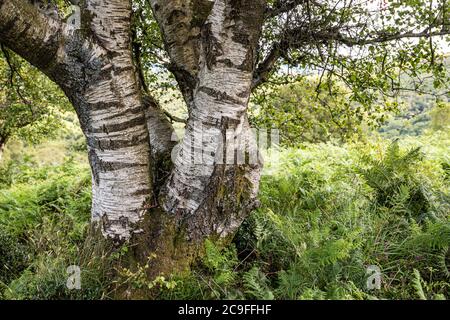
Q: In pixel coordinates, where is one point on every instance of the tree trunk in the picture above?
(112, 117)
(163, 207)
(215, 179)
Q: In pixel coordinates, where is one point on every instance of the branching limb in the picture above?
(23, 27)
(285, 6)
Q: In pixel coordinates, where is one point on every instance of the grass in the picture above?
(329, 213)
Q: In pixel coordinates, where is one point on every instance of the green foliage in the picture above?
(31, 106)
(306, 112)
(421, 113)
(440, 116)
(218, 267)
(12, 257)
(256, 285)
(355, 53)
(416, 282)
(138, 278)
(395, 181)
(328, 212)
(44, 221)
(326, 216)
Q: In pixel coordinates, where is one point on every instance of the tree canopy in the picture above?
(375, 49)
(361, 54)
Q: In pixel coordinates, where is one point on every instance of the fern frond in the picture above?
(417, 285)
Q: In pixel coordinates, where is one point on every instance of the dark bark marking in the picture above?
(212, 46)
(115, 127)
(219, 95)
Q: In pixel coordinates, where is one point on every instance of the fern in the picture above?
(417, 285)
(444, 261)
(395, 181)
(256, 285)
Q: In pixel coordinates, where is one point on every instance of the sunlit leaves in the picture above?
(31, 105)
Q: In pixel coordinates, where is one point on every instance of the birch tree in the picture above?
(166, 201)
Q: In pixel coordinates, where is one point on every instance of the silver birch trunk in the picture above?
(138, 194)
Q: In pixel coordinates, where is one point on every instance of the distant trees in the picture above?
(305, 111)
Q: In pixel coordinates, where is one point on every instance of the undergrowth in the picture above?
(328, 213)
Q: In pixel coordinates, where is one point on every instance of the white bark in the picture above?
(212, 46)
(222, 93)
(94, 67)
(214, 194)
(117, 134)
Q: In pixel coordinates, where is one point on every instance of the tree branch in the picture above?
(296, 38)
(29, 33)
(284, 6)
(264, 69)
(181, 23)
(381, 37)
